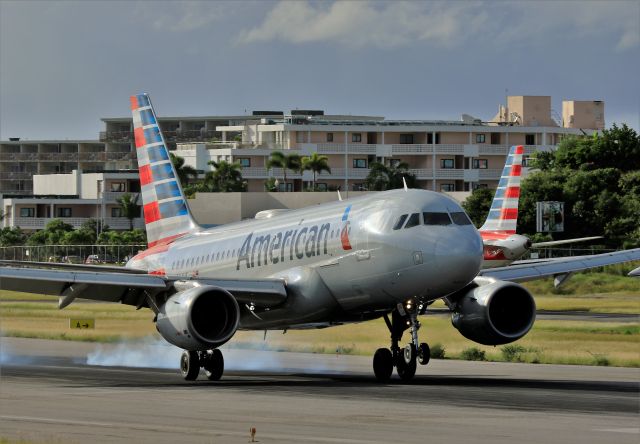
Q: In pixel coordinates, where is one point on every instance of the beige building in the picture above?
(444, 155)
(75, 198)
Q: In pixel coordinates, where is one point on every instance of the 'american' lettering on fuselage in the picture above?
(270, 248)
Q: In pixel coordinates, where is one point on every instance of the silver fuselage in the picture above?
(341, 261)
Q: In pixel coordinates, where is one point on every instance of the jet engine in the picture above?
(494, 312)
(199, 318)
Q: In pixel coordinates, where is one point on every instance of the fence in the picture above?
(113, 254)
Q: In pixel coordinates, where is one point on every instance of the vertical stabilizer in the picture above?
(166, 214)
(503, 216)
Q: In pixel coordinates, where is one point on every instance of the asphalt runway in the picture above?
(49, 394)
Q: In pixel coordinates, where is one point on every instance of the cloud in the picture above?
(182, 16)
(357, 24)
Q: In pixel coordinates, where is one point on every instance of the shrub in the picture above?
(437, 351)
(473, 354)
(513, 353)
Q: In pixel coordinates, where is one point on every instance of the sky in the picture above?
(66, 64)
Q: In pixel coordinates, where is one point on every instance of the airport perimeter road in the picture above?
(47, 394)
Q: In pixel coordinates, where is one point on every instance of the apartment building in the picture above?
(444, 155)
(75, 198)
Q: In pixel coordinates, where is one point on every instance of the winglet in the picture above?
(339, 196)
(166, 214)
(503, 215)
(404, 182)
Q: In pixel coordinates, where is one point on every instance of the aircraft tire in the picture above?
(189, 365)
(383, 364)
(424, 354)
(406, 370)
(214, 365)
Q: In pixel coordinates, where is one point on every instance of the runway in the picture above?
(49, 394)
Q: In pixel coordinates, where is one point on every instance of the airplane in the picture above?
(501, 245)
(383, 255)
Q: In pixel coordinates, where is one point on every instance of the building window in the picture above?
(475, 185)
(244, 162)
(356, 137)
(479, 164)
(329, 137)
(446, 163)
(359, 163)
(430, 138)
(63, 212)
(285, 187)
(300, 137)
(393, 163)
(116, 212)
(480, 138)
(321, 187)
(117, 187)
(495, 138)
(406, 138)
(27, 212)
(530, 139)
(526, 161)
(447, 187)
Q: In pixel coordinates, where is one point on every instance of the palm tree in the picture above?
(225, 177)
(129, 206)
(183, 171)
(317, 164)
(291, 162)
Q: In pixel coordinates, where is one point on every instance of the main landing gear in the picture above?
(211, 360)
(403, 317)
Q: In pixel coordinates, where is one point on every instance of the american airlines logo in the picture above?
(286, 245)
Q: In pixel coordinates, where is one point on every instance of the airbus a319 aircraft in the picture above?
(387, 254)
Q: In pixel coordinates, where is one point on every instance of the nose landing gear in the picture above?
(211, 360)
(404, 360)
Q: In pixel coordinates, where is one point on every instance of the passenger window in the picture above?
(414, 220)
(400, 222)
(460, 218)
(436, 218)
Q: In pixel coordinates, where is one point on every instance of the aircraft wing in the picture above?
(128, 288)
(560, 266)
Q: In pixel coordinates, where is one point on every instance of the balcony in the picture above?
(113, 196)
(39, 223)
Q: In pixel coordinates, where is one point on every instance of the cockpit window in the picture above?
(414, 220)
(436, 218)
(460, 218)
(400, 222)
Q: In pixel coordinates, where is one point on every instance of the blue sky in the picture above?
(64, 65)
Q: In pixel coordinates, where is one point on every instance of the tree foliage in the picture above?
(477, 205)
(129, 206)
(226, 177)
(184, 172)
(382, 177)
(598, 179)
(11, 236)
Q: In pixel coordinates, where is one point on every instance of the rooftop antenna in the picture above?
(404, 182)
(339, 196)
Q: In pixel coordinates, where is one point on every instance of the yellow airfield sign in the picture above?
(82, 323)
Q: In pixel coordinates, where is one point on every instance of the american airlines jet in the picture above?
(387, 254)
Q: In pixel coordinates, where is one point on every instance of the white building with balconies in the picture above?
(75, 198)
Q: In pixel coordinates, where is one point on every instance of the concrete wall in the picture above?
(222, 208)
(583, 114)
(59, 184)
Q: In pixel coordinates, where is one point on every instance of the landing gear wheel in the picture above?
(214, 365)
(406, 369)
(383, 364)
(424, 354)
(190, 365)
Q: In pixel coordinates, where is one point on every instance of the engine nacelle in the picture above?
(494, 312)
(199, 318)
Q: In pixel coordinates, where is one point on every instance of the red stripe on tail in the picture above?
(508, 213)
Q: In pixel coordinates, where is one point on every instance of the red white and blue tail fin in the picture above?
(503, 216)
(166, 214)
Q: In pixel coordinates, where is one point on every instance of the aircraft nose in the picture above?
(460, 255)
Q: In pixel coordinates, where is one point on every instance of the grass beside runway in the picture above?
(550, 341)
